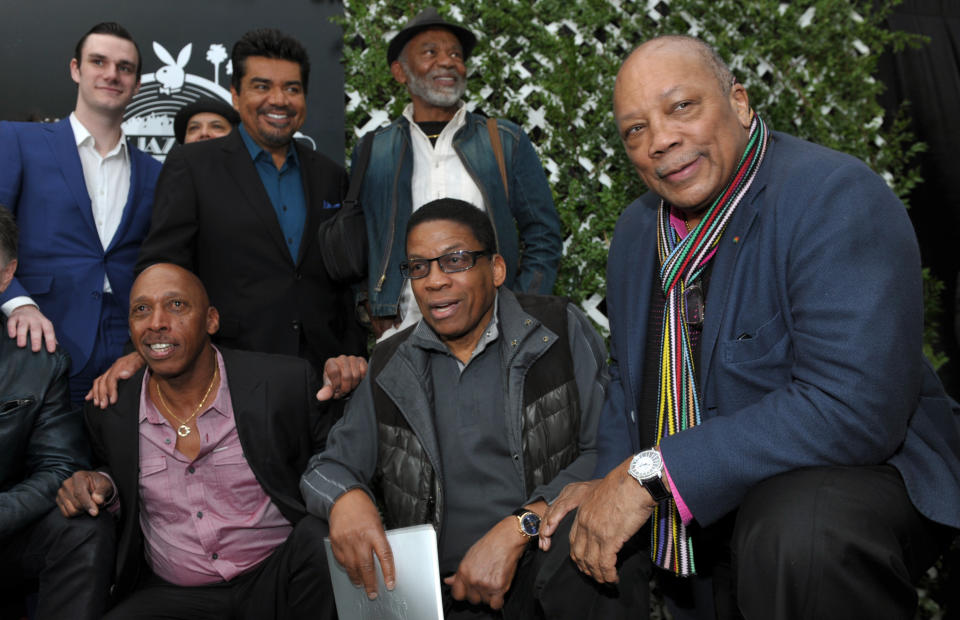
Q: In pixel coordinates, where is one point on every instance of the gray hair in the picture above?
(709, 56)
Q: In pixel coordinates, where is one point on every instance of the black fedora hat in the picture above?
(204, 104)
(426, 19)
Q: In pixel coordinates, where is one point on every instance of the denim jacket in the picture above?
(386, 199)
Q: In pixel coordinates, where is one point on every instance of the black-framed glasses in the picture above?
(461, 260)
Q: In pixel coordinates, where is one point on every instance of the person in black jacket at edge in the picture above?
(41, 443)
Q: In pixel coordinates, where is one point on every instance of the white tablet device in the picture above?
(416, 595)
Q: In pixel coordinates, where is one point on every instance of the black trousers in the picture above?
(69, 560)
(815, 543)
(291, 584)
(548, 586)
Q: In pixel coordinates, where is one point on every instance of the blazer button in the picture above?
(295, 325)
(95, 294)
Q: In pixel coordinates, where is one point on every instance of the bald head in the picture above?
(171, 320)
(170, 275)
(683, 44)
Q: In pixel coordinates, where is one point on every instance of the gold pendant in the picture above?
(183, 430)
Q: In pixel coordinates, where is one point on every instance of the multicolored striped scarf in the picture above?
(682, 262)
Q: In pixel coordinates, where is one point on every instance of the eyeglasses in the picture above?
(453, 262)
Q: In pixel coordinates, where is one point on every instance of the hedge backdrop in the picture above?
(549, 66)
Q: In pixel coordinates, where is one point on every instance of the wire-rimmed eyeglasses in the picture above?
(461, 260)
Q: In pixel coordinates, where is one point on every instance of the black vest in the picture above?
(405, 483)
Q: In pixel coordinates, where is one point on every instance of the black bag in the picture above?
(343, 237)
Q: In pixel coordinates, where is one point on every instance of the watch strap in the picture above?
(657, 488)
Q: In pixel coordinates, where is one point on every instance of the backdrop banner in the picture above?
(185, 46)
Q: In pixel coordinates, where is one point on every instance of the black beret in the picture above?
(204, 104)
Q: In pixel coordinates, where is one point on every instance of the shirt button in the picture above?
(200, 516)
(215, 556)
(167, 441)
(516, 457)
(189, 469)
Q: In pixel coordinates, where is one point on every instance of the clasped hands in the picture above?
(84, 491)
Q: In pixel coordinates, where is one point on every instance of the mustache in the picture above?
(681, 162)
(444, 73)
(286, 111)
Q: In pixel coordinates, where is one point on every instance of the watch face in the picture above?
(530, 524)
(647, 464)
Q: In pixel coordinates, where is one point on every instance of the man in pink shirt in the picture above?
(201, 459)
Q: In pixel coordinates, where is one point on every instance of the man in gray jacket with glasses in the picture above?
(471, 420)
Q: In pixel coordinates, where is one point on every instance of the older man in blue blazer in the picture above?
(772, 436)
(82, 197)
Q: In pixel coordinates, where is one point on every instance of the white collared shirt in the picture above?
(437, 173)
(107, 179)
(437, 169)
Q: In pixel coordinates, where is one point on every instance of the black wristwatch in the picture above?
(647, 468)
(528, 522)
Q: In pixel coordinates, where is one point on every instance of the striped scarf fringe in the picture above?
(682, 261)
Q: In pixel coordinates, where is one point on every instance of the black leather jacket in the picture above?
(41, 435)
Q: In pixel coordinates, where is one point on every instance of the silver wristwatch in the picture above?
(647, 468)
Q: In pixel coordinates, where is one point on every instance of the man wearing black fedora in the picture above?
(437, 149)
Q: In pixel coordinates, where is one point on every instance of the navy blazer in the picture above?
(811, 344)
(61, 259)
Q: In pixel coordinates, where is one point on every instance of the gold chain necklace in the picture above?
(183, 430)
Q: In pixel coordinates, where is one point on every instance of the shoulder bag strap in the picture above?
(359, 170)
(498, 153)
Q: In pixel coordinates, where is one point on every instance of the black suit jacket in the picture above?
(212, 216)
(279, 422)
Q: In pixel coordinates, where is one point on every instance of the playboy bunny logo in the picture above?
(171, 75)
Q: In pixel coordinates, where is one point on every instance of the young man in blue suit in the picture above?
(770, 413)
(82, 197)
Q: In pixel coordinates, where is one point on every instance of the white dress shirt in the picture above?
(107, 179)
(437, 173)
